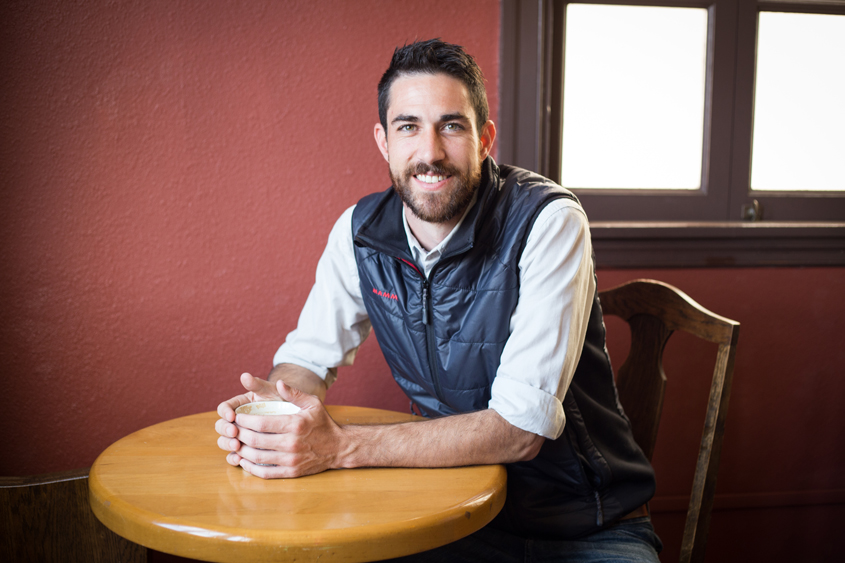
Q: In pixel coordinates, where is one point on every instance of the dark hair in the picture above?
(432, 57)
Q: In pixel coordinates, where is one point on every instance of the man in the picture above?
(479, 281)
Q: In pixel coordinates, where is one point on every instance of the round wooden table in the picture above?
(168, 487)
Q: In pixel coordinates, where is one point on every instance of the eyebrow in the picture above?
(405, 118)
(414, 119)
(454, 117)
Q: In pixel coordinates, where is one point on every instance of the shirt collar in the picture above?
(428, 258)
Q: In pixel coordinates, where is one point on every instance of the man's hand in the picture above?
(257, 390)
(289, 445)
(278, 446)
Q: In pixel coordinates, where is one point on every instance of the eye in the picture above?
(454, 127)
(407, 127)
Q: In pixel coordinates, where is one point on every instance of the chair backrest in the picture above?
(47, 518)
(654, 310)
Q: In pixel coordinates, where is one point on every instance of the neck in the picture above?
(428, 234)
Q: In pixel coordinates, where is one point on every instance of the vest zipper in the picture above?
(430, 341)
(425, 303)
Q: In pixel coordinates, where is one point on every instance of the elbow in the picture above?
(530, 447)
(517, 444)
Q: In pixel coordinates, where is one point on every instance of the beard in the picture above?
(441, 206)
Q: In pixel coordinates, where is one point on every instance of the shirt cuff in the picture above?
(526, 407)
(328, 375)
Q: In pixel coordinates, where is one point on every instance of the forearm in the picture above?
(299, 378)
(482, 437)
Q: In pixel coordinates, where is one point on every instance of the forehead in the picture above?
(420, 94)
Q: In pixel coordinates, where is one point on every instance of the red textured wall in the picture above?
(170, 171)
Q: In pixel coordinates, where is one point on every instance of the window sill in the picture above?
(665, 244)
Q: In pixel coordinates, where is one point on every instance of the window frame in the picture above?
(713, 226)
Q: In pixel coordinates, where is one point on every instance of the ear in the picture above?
(488, 136)
(381, 140)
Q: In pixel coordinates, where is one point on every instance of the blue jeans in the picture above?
(629, 541)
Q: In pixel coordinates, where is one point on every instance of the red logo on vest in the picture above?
(385, 294)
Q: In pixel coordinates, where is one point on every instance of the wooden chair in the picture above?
(47, 518)
(654, 310)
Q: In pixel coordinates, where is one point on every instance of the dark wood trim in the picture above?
(741, 501)
(805, 6)
(519, 134)
(554, 97)
(507, 124)
(728, 244)
(548, 80)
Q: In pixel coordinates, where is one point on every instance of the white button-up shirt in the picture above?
(547, 327)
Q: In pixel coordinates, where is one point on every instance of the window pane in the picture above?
(633, 109)
(799, 103)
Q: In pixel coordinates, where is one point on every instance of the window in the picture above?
(799, 104)
(695, 133)
(633, 109)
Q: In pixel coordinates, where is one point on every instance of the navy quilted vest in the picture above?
(443, 337)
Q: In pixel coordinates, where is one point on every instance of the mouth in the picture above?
(431, 179)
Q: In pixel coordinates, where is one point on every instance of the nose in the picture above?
(430, 148)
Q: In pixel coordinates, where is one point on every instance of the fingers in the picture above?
(227, 441)
(231, 433)
(233, 459)
(299, 398)
(258, 432)
(257, 389)
(228, 444)
(260, 387)
(277, 465)
(226, 429)
(226, 409)
(277, 446)
(267, 471)
(269, 425)
(226, 412)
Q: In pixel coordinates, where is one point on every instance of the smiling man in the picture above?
(480, 283)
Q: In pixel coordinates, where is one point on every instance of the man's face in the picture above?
(432, 145)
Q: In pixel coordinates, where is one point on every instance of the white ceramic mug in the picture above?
(268, 408)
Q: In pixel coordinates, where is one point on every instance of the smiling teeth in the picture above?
(430, 179)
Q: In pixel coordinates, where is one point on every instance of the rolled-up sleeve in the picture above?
(334, 322)
(549, 324)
